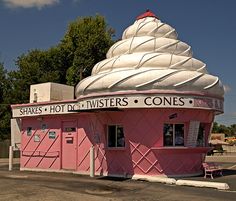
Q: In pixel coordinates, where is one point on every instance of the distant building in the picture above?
(217, 136)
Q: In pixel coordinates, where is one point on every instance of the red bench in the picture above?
(211, 169)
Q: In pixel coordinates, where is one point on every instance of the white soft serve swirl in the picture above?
(149, 57)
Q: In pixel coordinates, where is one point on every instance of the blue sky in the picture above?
(207, 25)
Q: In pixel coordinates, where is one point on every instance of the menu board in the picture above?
(193, 134)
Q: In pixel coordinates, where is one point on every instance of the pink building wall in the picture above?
(143, 154)
(44, 154)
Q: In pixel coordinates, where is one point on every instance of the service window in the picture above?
(115, 136)
(173, 134)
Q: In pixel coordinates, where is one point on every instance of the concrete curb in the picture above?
(182, 182)
(217, 185)
(165, 180)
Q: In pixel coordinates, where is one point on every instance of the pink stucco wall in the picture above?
(45, 153)
(144, 153)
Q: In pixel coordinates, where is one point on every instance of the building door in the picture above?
(69, 145)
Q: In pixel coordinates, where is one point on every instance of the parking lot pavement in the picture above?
(229, 176)
(17, 185)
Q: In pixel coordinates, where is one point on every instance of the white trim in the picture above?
(81, 172)
(121, 102)
(46, 170)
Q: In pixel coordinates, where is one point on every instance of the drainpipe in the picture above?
(10, 157)
(92, 165)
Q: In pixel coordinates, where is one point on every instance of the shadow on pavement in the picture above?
(228, 172)
(5, 167)
(109, 178)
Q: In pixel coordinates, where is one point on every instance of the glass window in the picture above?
(115, 136)
(111, 136)
(44, 127)
(173, 134)
(29, 131)
(168, 134)
(70, 129)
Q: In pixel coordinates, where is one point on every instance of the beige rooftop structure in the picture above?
(50, 91)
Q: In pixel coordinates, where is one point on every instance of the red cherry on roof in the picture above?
(148, 13)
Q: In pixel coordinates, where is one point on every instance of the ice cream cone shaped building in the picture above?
(147, 109)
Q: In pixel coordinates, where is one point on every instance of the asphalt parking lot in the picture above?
(17, 185)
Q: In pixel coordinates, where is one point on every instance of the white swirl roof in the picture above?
(150, 57)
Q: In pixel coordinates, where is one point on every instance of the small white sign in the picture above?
(37, 138)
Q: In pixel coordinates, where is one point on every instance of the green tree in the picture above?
(233, 129)
(224, 129)
(35, 67)
(2, 81)
(84, 44)
(215, 128)
(227, 130)
(87, 40)
(5, 112)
